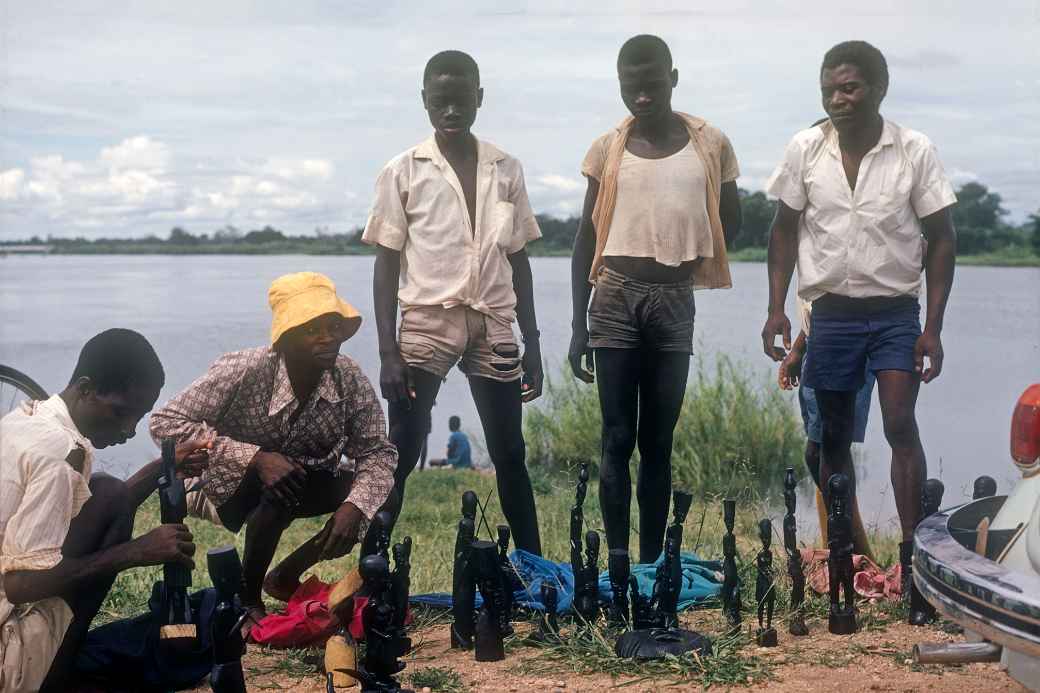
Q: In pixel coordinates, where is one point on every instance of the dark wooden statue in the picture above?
(796, 619)
(730, 594)
(463, 590)
(931, 497)
(508, 575)
(619, 569)
(984, 487)
(587, 601)
(642, 611)
(921, 612)
(765, 592)
(491, 623)
(668, 582)
(225, 569)
(383, 643)
(576, 527)
(382, 523)
(401, 582)
(548, 629)
(842, 619)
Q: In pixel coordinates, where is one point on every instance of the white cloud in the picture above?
(141, 153)
(136, 182)
(960, 176)
(266, 187)
(11, 183)
(320, 169)
(560, 183)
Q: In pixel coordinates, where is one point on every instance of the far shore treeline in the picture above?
(983, 236)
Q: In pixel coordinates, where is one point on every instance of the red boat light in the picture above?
(1025, 429)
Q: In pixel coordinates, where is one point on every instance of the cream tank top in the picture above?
(662, 209)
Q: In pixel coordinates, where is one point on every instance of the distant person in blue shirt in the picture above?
(458, 448)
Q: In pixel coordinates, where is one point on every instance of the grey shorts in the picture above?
(629, 314)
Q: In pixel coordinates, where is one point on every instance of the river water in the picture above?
(195, 308)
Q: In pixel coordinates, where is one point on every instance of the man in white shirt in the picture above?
(451, 220)
(858, 198)
(63, 538)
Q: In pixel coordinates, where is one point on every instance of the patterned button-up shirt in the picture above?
(247, 403)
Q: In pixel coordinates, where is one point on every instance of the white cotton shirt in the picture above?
(40, 494)
(662, 209)
(420, 210)
(865, 242)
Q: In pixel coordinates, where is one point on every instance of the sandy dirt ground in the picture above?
(871, 660)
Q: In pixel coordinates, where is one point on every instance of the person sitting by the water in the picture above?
(64, 533)
(856, 193)
(661, 200)
(788, 377)
(451, 221)
(282, 417)
(458, 453)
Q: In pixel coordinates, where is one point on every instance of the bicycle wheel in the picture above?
(16, 387)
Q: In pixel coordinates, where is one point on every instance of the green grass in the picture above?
(1005, 257)
(437, 679)
(735, 435)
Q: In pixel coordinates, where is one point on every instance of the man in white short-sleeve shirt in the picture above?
(858, 197)
(65, 534)
(451, 220)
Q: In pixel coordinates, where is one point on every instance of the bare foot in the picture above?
(254, 614)
(280, 587)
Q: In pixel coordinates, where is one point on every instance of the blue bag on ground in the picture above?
(702, 580)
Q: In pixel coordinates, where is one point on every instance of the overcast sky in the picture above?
(123, 118)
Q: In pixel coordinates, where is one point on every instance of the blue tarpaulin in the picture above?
(701, 580)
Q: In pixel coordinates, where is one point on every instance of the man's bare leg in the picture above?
(323, 493)
(284, 578)
(105, 520)
(617, 378)
(897, 392)
(499, 407)
(662, 388)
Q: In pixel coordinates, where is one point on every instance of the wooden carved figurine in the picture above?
(796, 620)
(619, 569)
(463, 589)
(921, 612)
(730, 581)
(842, 618)
(765, 593)
(984, 487)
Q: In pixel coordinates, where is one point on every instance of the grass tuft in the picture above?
(438, 679)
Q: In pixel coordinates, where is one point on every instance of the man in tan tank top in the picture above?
(661, 200)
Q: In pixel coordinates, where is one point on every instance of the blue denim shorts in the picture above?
(846, 337)
(811, 411)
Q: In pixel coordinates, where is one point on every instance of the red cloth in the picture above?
(307, 621)
(869, 580)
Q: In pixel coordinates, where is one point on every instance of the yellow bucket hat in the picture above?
(298, 298)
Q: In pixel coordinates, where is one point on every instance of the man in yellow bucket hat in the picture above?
(281, 417)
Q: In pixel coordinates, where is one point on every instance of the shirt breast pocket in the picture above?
(502, 224)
